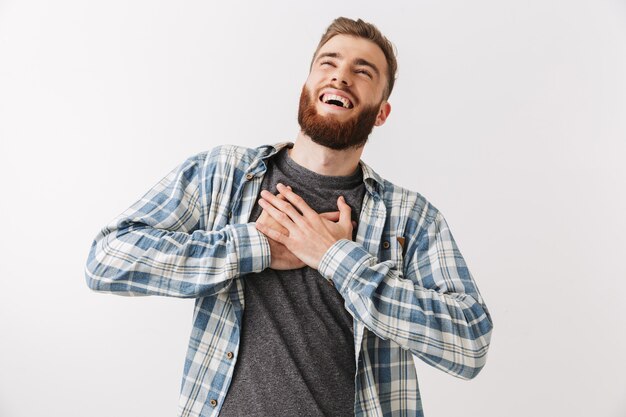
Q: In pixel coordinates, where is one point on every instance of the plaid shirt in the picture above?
(403, 280)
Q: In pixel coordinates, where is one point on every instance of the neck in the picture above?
(323, 160)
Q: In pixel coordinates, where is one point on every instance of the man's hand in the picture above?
(304, 232)
(283, 258)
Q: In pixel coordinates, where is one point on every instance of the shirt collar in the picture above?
(374, 183)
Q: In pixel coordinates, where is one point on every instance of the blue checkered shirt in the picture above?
(403, 279)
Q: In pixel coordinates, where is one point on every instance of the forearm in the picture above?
(150, 261)
(449, 330)
(161, 245)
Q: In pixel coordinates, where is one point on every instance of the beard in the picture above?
(330, 132)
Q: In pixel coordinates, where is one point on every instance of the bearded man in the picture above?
(314, 299)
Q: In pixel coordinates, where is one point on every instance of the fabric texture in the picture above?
(296, 355)
(190, 236)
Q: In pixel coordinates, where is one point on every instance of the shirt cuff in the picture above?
(251, 247)
(341, 262)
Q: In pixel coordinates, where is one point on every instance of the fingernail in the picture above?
(279, 185)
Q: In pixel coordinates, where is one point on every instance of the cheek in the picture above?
(317, 76)
(372, 94)
(310, 84)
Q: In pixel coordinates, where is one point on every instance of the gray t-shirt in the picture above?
(296, 356)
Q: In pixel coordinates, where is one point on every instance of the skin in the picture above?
(283, 258)
(355, 68)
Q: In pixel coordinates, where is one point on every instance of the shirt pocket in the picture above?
(393, 249)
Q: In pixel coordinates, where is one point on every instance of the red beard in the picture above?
(330, 132)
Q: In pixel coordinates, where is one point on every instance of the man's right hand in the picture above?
(282, 258)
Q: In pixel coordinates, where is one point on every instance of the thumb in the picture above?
(344, 211)
(333, 216)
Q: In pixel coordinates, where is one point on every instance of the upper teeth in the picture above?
(343, 100)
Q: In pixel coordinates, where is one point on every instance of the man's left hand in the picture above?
(310, 235)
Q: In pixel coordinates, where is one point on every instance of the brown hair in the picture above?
(365, 30)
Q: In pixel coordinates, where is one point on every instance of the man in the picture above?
(298, 312)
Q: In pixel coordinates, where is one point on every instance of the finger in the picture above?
(330, 215)
(296, 200)
(282, 197)
(344, 211)
(271, 233)
(268, 221)
(280, 217)
(279, 195)
(284, 206)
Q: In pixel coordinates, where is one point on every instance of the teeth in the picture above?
(343, 100)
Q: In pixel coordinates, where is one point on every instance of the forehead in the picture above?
(352, 47)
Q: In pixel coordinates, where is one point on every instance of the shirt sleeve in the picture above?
(432, 308)
(158, 246)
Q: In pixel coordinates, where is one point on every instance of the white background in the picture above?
(509, 116)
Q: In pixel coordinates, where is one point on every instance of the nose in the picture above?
(342, 76)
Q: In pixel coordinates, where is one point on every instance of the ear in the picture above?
(383, 113)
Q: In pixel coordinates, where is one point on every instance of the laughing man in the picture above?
(316, 282)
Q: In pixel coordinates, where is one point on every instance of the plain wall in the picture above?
(508, 116)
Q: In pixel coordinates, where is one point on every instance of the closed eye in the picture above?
(362, 71)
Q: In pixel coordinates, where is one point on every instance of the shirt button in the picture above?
(229, 355)
(213, 403)
(249, 176)
(386, 244)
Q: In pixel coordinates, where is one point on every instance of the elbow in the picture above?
(476, 343)
(476, 360)
(102, 279)
(466, 368)
(468, 353)
(99, 275)
(91, 278)
(465, 357)
(93, 282)
(472, 368)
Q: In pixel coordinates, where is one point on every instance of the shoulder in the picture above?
(232, 155)
(397, 195)
(400, 201)
(227, 158)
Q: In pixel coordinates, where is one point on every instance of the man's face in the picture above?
(342, 99)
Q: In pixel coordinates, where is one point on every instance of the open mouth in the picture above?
(336, 100)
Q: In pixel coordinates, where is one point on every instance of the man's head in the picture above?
(360, 29)
(351, 77)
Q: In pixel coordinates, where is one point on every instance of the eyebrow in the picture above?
(357, 61)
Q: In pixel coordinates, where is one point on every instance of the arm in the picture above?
(159, 246)
(432, 308)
